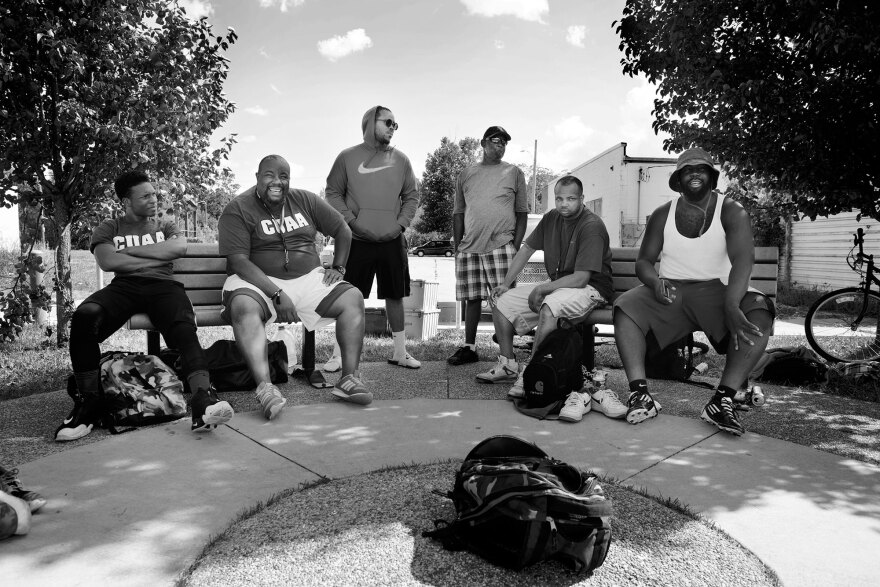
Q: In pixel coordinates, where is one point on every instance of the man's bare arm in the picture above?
(108, 260)
(457, 229)
(522, 220)
(167, 250)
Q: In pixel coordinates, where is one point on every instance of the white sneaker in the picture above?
(576, 405)
(518, 391)
(271, 400)
(505, 371)
(607, 402)
(407, 361)
(333, 364)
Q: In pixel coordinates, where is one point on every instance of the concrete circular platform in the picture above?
(366, 530)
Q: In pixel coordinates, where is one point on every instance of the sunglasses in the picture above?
(389, 123)
(498, 141)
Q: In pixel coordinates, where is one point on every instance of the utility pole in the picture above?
(535, 180)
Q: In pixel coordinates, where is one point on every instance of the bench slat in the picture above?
(204, 297)
(203, 250)
(200, 265)
(201, 281)
(205, 316)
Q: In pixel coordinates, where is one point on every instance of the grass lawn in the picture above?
(33, 365)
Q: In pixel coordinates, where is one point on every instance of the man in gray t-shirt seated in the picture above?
(267, 234)
(577, 258)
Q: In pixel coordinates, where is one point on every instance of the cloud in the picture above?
(499, 44)
(576, 34)
(531, 10)
(275, 89)
(282, 4)
(339, 46)
(247, 139)
(257, 110)
(264, 54)
(196, 9)
(635, 112)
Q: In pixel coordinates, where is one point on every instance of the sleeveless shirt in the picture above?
(696, 259)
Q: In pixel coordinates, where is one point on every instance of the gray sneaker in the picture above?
(271, 400)
(505, 371)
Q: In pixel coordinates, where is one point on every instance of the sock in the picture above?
(638, 385)
(724, 391)
(337, 352)
(471, 345)
(88, 382)
(399, 345)
(198, 379)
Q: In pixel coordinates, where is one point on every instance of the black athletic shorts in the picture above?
(386, 262)
(163, 300)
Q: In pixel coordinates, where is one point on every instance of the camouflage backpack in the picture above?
(140, 389)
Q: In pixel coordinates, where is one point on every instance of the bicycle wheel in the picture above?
(831, 330)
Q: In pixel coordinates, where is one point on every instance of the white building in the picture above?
(819, 249)
(624, 190)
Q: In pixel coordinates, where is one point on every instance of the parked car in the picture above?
(433, 248)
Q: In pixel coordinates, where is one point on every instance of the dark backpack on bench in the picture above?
(516, 506)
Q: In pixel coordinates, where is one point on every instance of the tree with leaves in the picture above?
(438, 183)
(541, 175)
(784, 93)
(91, 89)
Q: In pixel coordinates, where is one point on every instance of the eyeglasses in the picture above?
(498, 141)
(389, 123)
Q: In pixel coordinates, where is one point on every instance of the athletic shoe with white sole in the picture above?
(271, 400)
(505, 371)
(14, 487)
(606, 401)
(352, 389)
(407, 361)
(86, 414)
(333, 364)
(721, 412)
(208, 411)
(518, 391)
(576, 406)
(641, 407)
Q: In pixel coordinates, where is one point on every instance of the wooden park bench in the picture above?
(764, 278)
(202, 271)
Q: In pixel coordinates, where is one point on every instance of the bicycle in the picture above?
(844, 325)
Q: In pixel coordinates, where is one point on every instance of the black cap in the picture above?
(496, 131)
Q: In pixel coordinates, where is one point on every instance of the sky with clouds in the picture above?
(303, 72)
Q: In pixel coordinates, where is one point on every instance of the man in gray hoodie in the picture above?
(374, 188)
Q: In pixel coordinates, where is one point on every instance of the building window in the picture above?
(594, 206)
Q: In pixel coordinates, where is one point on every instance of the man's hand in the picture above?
(285, 310)
(332, 276)
(536, 300)
(497, 292)
(740, 328)
(664, 291)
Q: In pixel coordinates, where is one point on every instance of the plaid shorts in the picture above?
(477, 274)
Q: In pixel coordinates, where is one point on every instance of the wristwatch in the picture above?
(339, 268)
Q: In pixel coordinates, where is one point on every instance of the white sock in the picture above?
(472, 346)
(399, 345)
(337, 352)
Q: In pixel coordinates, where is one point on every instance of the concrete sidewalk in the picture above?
(136, 509)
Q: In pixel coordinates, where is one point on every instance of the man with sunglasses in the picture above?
(489, 219)
(374, 188)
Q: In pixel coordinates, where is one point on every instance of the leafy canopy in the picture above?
(785, 93)
(438, 183)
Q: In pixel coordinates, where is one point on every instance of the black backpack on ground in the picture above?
(676, 361)
(790, 366)
(516, 506)
(555, 368)
(227, 367)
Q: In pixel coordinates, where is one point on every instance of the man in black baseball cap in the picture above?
(491, 208)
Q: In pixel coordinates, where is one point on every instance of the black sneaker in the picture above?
(641, 407)
(208, 411)
(85, 415)
(463, 356)
(13, 486)
(721, 413)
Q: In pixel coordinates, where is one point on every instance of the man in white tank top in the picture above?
(706, 251)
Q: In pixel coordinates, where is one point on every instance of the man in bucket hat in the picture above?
(702, 284)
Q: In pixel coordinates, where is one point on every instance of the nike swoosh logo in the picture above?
(67, 421)
(362, 169)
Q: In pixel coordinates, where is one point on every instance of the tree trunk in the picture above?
(63, 285)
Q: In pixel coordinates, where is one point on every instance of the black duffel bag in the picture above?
(227, 366)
